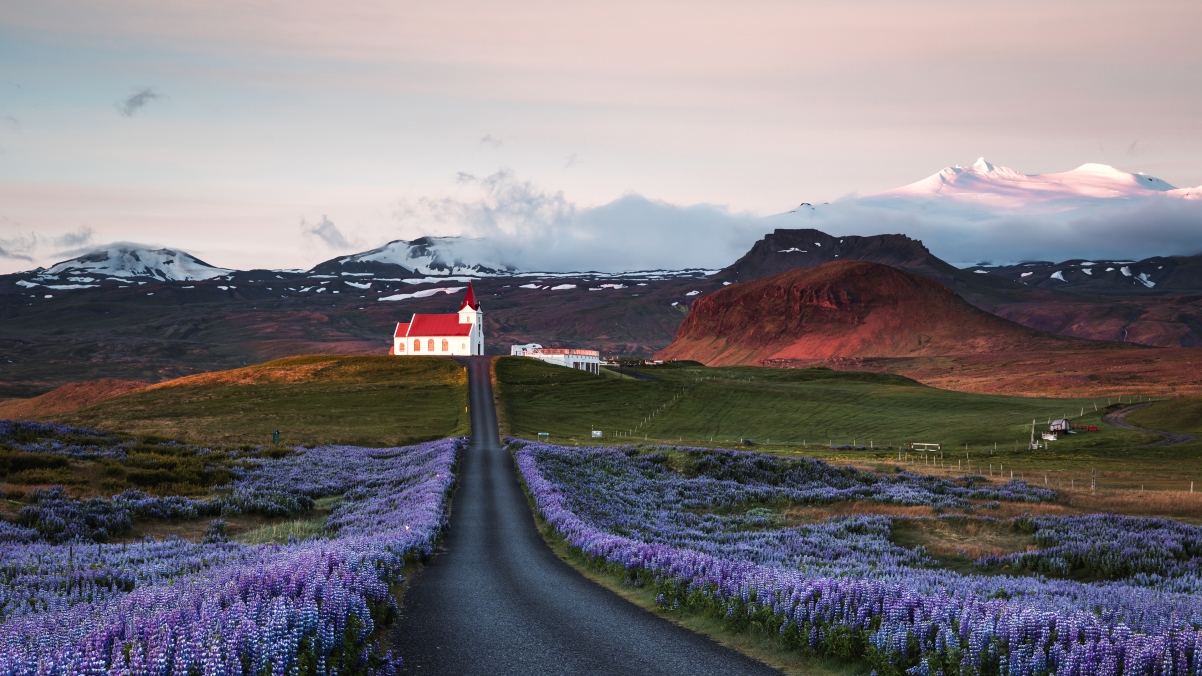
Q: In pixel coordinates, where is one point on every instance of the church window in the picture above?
(400, 346)
(430, 345)
(417, 346)
(446, 345)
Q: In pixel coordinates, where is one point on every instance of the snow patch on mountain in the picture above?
(424, 293)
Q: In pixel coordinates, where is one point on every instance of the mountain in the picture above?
(1151, 302)
(1156, 274)
(130, 261)
(986, 212)
(788, 249)
(988, 185)
(844, 309)
(436, 256)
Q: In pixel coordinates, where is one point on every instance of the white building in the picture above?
(584, 360)
(459, 334)
(521, 350)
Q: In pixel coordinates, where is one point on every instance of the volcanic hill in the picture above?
(1152, 302)
(787, 249)
(846, 309)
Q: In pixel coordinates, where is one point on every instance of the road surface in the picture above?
(1119, 419)
(496, 599)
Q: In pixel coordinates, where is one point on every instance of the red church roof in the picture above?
(401, 330)
(438, 325)
(469, 300)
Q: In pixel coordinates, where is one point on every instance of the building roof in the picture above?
(469, 300)
(560, 350)
(438, 325)
(401, 330)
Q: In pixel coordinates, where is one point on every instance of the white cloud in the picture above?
(520, 223)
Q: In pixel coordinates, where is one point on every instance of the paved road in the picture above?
(1119, 419)
(496, 599)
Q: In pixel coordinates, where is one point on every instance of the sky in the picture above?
(280, 134)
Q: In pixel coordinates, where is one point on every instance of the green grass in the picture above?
(1179, 414)
(371, 401)
(804, 411)
(772, 406)
(302, 529)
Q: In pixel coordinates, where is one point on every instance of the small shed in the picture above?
(1060, 425)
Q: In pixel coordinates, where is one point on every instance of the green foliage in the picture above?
(17, 461)
(299, 529)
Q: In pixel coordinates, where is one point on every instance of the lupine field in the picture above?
(1098, 595)
(72, 601)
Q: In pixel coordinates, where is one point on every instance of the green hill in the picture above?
(365, 400)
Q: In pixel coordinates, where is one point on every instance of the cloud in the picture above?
(517, 222)
(328, 233)
(12, 254)
(19, 246)
(490, 140)
(137, 101)
(73, 240)
(12, 122)
(571, 161)
(1136, 229)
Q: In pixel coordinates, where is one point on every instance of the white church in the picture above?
(454, 334)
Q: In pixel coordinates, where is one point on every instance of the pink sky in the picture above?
(264, 115)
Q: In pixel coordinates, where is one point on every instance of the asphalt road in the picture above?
(496, 599)
(1119, 419)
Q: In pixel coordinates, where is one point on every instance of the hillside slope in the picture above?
(66, 398)
(845, 309)
(1148, 302)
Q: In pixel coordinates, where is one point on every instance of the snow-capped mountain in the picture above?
(129, 261)
(987, 185)
(437, 256)
(986, 212)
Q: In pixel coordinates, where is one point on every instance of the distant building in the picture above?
(459, 334)
(1060, 425)
(521, 350)
(584, 360)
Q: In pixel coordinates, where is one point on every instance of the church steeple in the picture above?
(469, 300)
(469, 312)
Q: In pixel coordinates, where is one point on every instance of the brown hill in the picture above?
(66, 398)
(1106, 304)
(846, 309)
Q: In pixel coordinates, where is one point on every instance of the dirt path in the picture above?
(496, 599)
(1119, 419)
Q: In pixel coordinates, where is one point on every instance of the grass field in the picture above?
(368, 401)
(1180, 414)
(805, 411)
